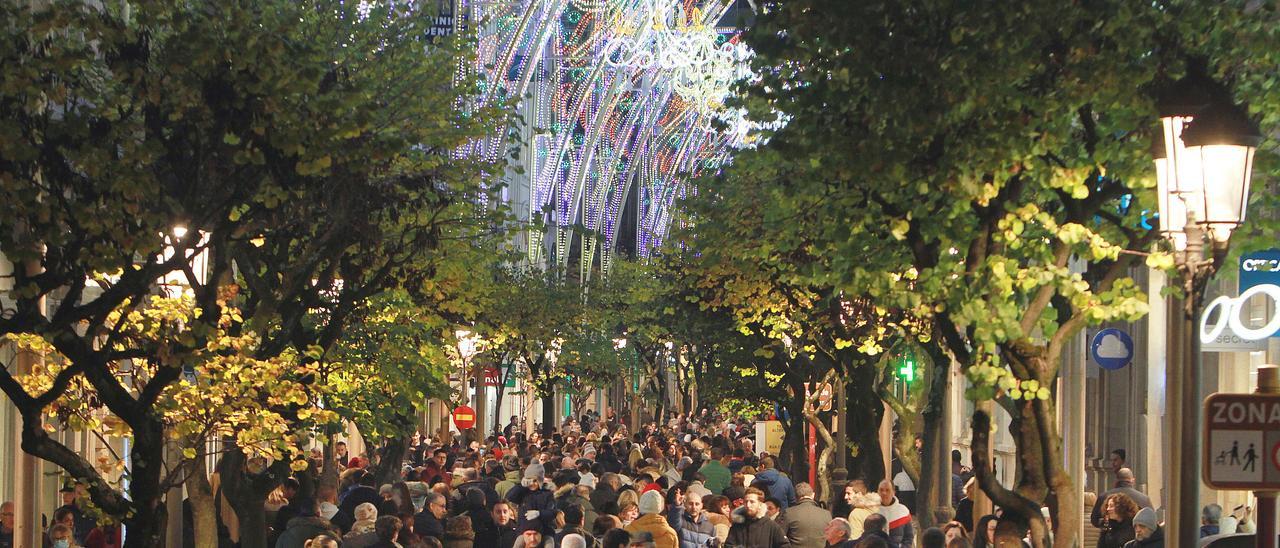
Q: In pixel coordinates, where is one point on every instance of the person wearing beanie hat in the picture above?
(536, 505)
(1146, 530)
(652, 520)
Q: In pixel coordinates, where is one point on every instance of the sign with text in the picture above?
(1260, 267)
(1242, 442)
(769, 437)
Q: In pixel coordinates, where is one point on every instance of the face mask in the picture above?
(63, 543)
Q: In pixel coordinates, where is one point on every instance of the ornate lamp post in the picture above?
(1204, 164)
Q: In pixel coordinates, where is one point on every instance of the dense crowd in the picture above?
(696, 481)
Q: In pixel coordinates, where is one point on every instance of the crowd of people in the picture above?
(695, 482)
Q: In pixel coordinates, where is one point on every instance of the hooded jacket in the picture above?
(565, 495)
(656, 524)
(777, 486)
(604, 498)
(511, 479)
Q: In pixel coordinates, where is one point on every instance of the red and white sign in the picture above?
(1242, 442)
(825, 395)
(491, 376)
(464, 417)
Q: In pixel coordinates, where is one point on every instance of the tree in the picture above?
(547, 324)
(950, 167)
(303, 142)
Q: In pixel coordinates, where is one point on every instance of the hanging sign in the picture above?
(1112, 349)
(1228, 315)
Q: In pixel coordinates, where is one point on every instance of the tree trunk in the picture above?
(204, 515)
(823, 488)
(393, 452)
(247, 493)
(146, 525)
(933, 495)
(864, 413)
(1020, 513)
(549, 413)
(795, 452)
(329, 471)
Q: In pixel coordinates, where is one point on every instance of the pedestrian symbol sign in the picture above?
(1242, 442)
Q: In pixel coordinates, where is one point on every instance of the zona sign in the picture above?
(1242, 438)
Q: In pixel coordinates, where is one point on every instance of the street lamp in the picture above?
(1204, 162)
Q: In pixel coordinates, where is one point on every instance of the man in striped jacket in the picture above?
(901, 534)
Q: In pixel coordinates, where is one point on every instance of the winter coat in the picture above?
(565, 496)
(512, 480)
(656, 524)
(604, 499)
(717, 476)
(542, 500)
(425, 524)
(490, 494)
(748, 532)
(1115, 534)
(901, 532)
(1156, 540)
(695, 533)
(460, 541)
(1138, 497)
(433, 473)
(300, 530)
(347, 508)
(805, 523)
(777, 486)
(360, 540)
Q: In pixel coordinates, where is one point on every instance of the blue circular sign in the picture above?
(1112, 348)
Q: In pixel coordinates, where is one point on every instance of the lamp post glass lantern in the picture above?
(1203, 163)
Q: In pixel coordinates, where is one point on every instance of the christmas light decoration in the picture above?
(616, 102)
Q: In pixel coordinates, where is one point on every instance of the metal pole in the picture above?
(1173, 400)
(842, 423)
(1195, 270)
(1268, 383)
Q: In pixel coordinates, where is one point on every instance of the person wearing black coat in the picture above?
(604, 498)
(536, 506)
(428, 522)
(752, 527)
(363, 492)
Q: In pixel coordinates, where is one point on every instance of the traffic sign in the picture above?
(464, 417)
(825, 394)
(1112, 348)
(1242, 442)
